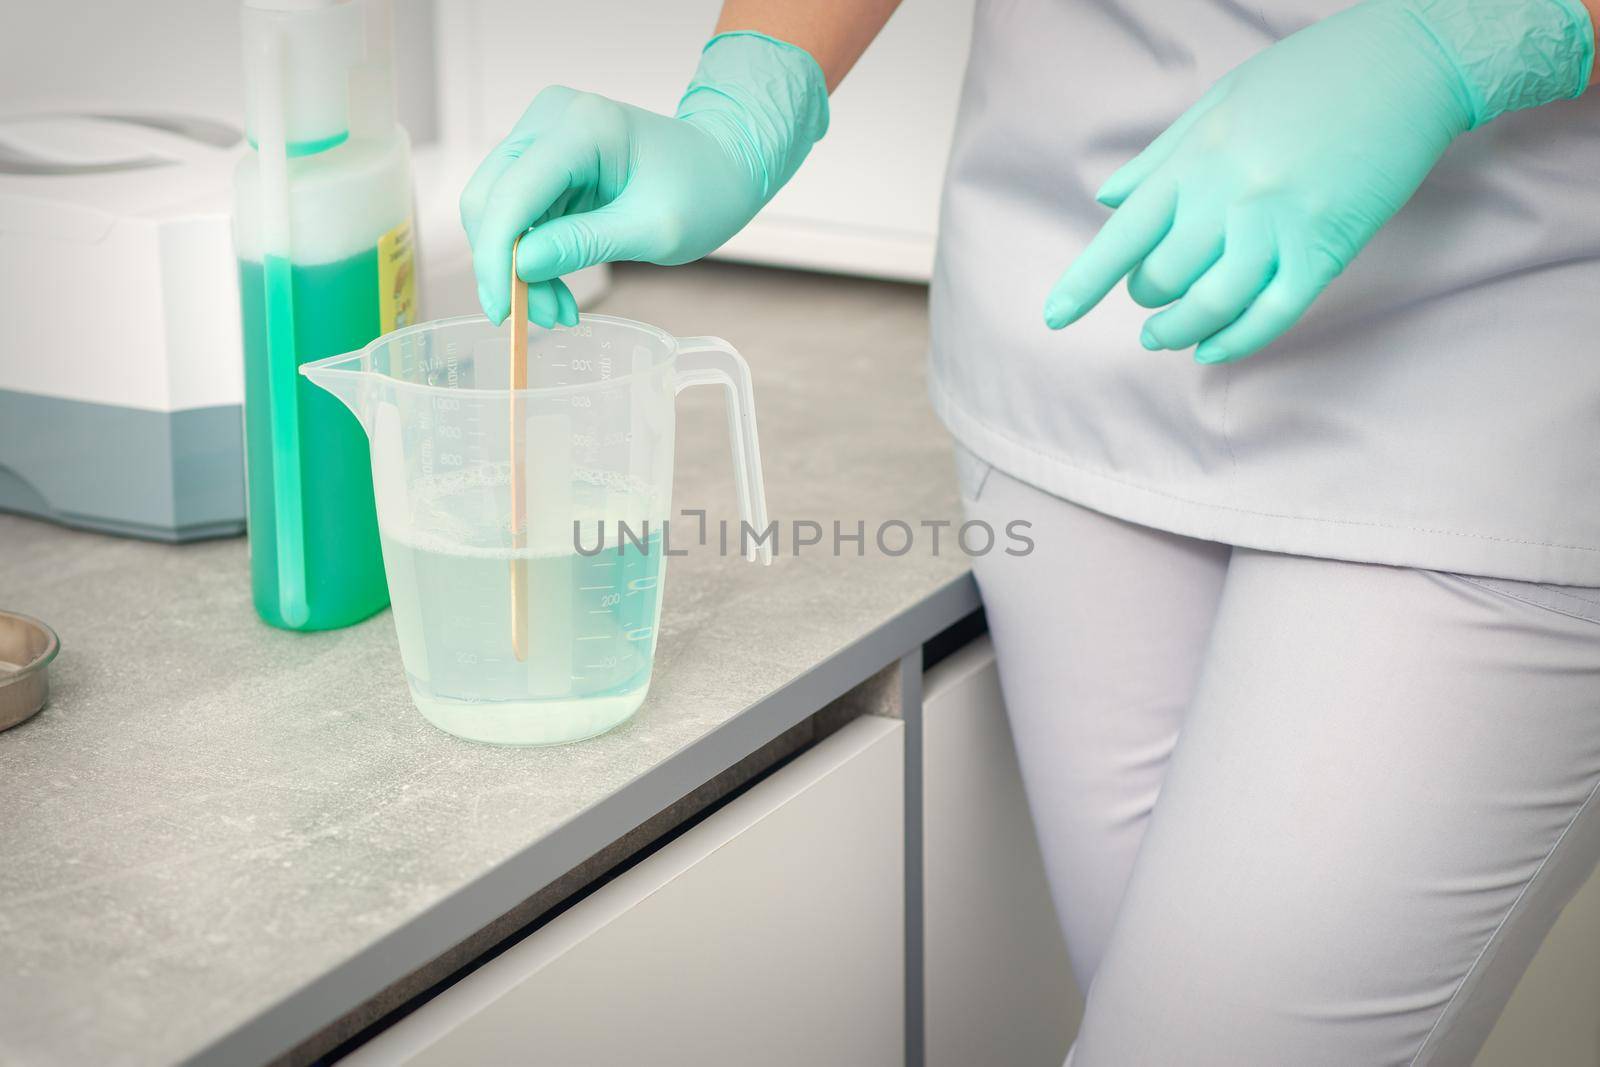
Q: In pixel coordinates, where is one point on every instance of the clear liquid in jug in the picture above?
(591, 626)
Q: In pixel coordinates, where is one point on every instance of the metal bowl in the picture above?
(26, 648)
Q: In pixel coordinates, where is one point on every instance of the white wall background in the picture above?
(866, 202)
(167, 56)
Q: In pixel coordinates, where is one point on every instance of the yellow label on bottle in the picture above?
(397, 278)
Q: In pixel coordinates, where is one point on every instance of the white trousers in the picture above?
(1293, 810)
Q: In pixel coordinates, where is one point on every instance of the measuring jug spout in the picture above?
(349, 378)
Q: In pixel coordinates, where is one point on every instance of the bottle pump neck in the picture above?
(317, 72)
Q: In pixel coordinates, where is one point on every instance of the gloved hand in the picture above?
(598, 180)
(1253, 202)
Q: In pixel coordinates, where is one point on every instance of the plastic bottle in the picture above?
(324, 236)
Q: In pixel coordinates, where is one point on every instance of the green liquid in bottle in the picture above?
(335, 310)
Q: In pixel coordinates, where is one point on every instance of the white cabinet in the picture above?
(1553, 1017)
(998, 987)
(771, 932)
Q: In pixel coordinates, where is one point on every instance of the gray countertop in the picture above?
(220, 837)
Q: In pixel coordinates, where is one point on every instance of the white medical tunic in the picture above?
(1438, 408)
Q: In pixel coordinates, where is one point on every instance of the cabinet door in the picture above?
(1552, 1017)
(771, 932)
(998, 986)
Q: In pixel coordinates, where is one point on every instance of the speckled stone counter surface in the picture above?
(219, 837)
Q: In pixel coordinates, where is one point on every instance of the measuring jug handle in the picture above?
(713, 361)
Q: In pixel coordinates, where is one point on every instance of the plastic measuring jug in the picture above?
(522, 529)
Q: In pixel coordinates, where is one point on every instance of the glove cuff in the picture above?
(1512, 54)
(764, 99)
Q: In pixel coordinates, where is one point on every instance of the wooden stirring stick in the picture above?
(517, 325)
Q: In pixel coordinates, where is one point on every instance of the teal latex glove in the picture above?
(597, 180)
(1243, 212)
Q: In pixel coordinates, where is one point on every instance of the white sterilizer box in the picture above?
(120, 382)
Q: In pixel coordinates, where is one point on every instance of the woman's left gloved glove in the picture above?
(1252, 203)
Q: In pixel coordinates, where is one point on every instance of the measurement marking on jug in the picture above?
(597, 637)
(592, 588)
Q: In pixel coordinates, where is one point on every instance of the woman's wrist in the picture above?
(1512, 54)
(1593, 8)
(833, 32)
(765, 99)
